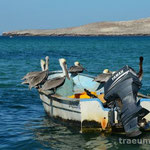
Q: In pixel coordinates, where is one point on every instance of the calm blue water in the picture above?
(23, 122)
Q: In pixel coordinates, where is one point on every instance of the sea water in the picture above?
(23, 123)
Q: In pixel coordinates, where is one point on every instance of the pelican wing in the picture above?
(103, 77)
(27, 80)
(31, 74)
(53, 83)
(76, 69)
(39, 79)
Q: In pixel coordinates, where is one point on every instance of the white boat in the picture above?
(77, 106)
(86, 109)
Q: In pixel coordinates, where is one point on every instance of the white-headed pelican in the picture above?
(77, 68)
(34, 79)
(104, 76)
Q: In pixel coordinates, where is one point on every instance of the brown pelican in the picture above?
(41, 77)
(34, 79)
(140, 73)
(104, 76)
(54, 83)
(77, 68)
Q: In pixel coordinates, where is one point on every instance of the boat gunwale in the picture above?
(55, 96)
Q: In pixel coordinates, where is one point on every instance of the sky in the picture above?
(52, 14)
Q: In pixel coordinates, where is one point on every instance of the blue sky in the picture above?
(51, 14)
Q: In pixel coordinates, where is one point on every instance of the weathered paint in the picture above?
(92, 109)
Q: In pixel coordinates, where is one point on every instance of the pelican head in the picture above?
(106, 71)
(62, 60)
(47, 62)
(63, 65)
(141, 59)
(76, 63)
(43, 64)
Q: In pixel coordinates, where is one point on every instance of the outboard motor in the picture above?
(124, 85)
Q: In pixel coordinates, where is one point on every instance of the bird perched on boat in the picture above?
(104, 76)
(77, 68)
(54, 83)
(34, 79)
(140, 73)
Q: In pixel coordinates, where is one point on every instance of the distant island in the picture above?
(118, 28)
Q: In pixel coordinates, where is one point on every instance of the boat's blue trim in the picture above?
(95, 99)
(144, 99)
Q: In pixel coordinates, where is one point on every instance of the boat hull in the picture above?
(65, 109)
(87, 112)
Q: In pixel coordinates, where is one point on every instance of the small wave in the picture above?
(8, 85)
(18, 107)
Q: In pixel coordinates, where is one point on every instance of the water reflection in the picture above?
(57, 136)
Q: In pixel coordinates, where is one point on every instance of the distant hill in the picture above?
(134, 27)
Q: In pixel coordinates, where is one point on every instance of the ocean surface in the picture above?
(23, 123)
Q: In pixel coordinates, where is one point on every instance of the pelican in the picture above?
(54, 83)
(34, 79)
(140, 73)
(41, 77)
(77, 68)
(104, 76)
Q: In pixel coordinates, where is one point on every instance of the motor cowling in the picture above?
(124, 85)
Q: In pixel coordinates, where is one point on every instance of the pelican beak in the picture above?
(83, 68)
(67, 74)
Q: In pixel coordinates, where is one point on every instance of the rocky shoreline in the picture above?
(139, 27)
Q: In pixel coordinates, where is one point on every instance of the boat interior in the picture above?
(76, 86)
